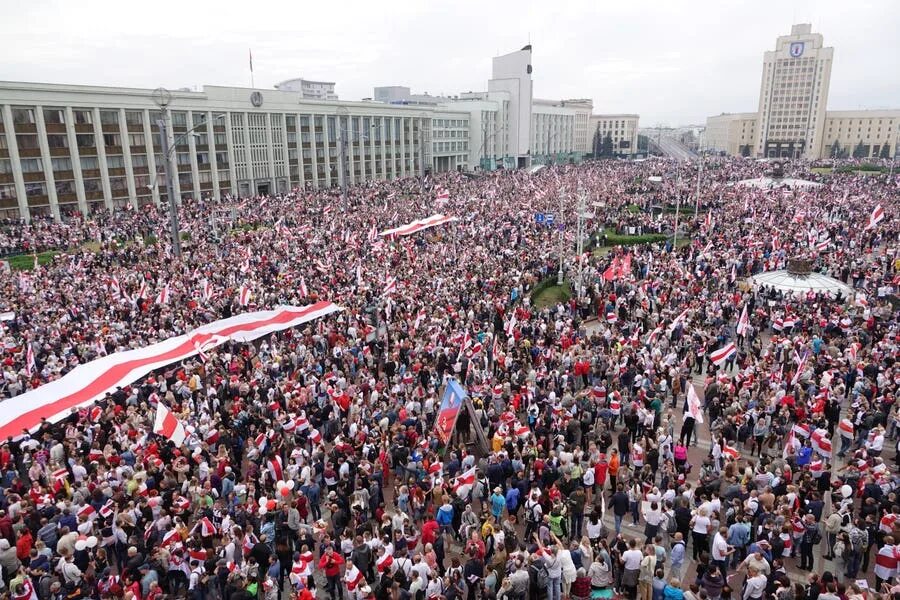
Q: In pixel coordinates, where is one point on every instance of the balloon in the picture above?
(270, 505)
(263, 501)
(290, 484)
(846, 491)
(263, 510)
(285, 491)
(91, 541)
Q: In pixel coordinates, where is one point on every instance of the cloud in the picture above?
(673, 62)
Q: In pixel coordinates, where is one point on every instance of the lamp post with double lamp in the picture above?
(345, 131)
(488, 136)
(162, 97)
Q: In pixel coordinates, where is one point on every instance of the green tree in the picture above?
(885, 151)
(861, 151)
(835, 150)
(745, 150)
(607, 147)
(597, 143)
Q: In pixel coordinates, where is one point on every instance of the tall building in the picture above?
(793, 95)
(792, 120)
(511, 75)
(309, 90)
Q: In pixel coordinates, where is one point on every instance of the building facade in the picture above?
(67, 148)
(733, 134)
(511, 81)
(309, 90)
(552, 132)
(793, 95)
(792, 120)
(622, 130)
(450, 140)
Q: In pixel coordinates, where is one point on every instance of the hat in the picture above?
(4, 544)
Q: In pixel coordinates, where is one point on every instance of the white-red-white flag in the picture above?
(743, 322)
(462, 484)
(390, 285)
(163, 296)
(721, 356)
(167, 425)
(30, 364)
(695, 409)
(876, 217)
(244, 295)
(303, 291)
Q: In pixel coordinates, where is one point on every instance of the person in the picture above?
(619, 502)
(755, 586)
(330, 563)
(700, 528)
(676, 557)
(673, 590)
(631, 561)
(659, 585)
(886, 561)
(647, 571)
(600, 572)
(808, 540)
(554, 569)
(713, 582)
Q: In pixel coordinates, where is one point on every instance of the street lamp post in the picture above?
(162, 97)
(560, 226)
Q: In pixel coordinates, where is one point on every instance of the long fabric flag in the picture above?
(167, 425)
(91, 381)
(693, 403)
(451, 404)
(415, 226)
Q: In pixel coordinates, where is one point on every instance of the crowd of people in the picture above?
(312, 468)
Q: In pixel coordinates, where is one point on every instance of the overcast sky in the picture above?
(671, 61)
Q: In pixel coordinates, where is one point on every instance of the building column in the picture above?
(270, 154)
(402, 146)
(287, 153)
(50, 182)
(229, 145)
(192, 150)
(379, 125)
(126, 153)
(248, 155)
(312, 145)
(326, 141)
(211, 147)
(18, 179)
(152, 173)
(75, 157)
(302, 174)
(101, 158)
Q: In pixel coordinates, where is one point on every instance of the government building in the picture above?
(74, 148)
(792, 120)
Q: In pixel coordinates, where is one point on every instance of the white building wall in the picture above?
(512, 74)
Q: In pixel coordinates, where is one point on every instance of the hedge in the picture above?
(547, 287)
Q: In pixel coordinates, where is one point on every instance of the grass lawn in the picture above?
(633, 208)
(822, 170)
(551, 295)
(25, 262)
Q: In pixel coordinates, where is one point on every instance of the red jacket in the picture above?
(429, 531)
(331, 563)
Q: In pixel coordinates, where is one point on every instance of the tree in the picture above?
(607, 147)
(597, 142)
(885, 151)
(861, 151)
(745, 150)
(835, 150)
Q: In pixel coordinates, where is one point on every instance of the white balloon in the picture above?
(290, 484)
(263, 501)
(263, 510)
(92, 541)
(846, 491)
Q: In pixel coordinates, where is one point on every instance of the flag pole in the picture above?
(252, 85)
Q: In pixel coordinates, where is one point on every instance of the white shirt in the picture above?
(701, 524)
(719, 548)
(632, 559)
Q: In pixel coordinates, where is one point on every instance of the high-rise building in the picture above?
(309, 90)
(511, 75)
(792, 120)
(793, 95)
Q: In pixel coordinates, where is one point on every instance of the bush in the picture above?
(150, 240)
(185, 236)
(547, 293)
(617, 239)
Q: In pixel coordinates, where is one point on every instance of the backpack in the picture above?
(671, 524)
(543, 576)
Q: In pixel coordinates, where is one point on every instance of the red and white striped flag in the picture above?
(743, 322)
(462, 484)
(876, 217)
(846, 428)
(30, 364)
(303, 291)
(730, 452)
(114, 287)
(695, 409)
(390, 285)
(244, 295)
(163, 296)
(207, 529)
(821, 443)
(205, 289)
(167, 425)
(315, 437)
(275, 468)
(721, 356)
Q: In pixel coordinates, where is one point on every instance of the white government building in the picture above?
(68, 148)
(792, 120)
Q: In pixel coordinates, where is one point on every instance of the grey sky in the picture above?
(673, 61)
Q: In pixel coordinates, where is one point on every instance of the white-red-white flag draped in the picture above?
(168, 425)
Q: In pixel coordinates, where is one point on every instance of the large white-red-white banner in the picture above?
(415, 226)
(89, 382)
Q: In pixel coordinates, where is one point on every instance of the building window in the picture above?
(61, 164)
(65, 187)
(5, 166)
(111, 139)
(23, 116)
(115, 162)
(54, 116)
(90, 163)
(109, 117)
(32, 165)
(35, 189)
(84, 140)
(27, 142)
(57, 141)
(92, 185)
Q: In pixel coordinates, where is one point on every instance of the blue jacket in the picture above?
(673, 593)
(512, 499)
